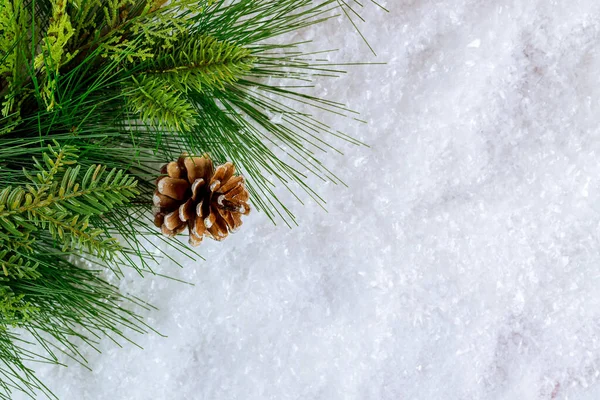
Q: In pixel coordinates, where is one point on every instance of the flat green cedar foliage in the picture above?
(95, 95)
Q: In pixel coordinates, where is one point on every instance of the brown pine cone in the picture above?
(192, 195)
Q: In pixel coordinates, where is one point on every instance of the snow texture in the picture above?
(463, 261)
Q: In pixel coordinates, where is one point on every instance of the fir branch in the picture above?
(14, 310)
(16, 266)
(198, 62)
(158, 103)
(63, 207)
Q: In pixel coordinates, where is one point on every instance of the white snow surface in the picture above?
(463, 260)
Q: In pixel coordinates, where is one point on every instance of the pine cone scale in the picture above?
(173, 187)
(197, 228)
(222, 174)
(197, 168)
(172, 220)
(173, 170)
(159, 219)
(160, 200)
(196, 188)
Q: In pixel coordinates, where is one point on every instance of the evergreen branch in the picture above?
(64, 208)
(13, 309)
(63, 156)
(50, 309)
(16, 266)
(14, 23)
(158, 103)
(196, 63)
(199, 62)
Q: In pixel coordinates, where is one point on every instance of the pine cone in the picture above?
(192, 195)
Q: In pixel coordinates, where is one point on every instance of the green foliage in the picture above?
(14, 309)
(159, 103)
(54, 214)
(54, 49)
(64, 307)
(117, 87)
(199, 63)
(15, 266)
(13, 26)
(60, 203)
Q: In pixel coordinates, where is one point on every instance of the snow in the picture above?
(463, 260)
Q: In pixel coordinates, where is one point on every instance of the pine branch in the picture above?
(64, 307)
